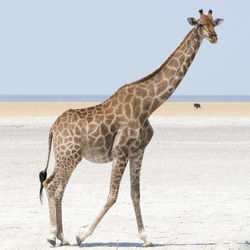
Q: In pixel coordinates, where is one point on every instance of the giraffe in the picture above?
(117, 130)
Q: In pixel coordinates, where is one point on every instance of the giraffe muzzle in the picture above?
(213, 38)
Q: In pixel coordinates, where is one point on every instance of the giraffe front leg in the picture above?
(135, 169)
(118, 168)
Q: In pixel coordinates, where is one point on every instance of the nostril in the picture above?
(213, 35)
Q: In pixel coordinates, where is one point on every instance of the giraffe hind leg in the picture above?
(50, 186)
(58, 198)
(54, 188)
(52, 213)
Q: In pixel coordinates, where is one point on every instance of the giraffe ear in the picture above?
(192, 21)
(218, 21)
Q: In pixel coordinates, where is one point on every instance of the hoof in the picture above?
(78, 240)
(148, 244)
(52, 242)
(65, 243)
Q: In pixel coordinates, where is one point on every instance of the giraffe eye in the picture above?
(200, 25)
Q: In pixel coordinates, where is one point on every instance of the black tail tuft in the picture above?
(42, 177)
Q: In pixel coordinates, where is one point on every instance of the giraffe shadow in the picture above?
(246, 243)
(116, 244)
(133, 244)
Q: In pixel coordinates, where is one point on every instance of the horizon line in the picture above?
(111, 94)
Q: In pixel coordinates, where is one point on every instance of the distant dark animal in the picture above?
(197, 105)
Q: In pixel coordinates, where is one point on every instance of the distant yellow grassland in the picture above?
(169, 108)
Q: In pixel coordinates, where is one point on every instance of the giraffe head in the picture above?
(206, 25)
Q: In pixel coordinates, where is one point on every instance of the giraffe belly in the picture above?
(96, 155)
(97, 150)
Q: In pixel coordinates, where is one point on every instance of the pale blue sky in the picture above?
(94, 47)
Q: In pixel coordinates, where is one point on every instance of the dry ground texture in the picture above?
(195, 188)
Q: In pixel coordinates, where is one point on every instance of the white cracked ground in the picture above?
(195, 188)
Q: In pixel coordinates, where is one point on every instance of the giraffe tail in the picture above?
(43, 174)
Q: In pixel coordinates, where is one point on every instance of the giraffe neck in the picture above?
(163, 82)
